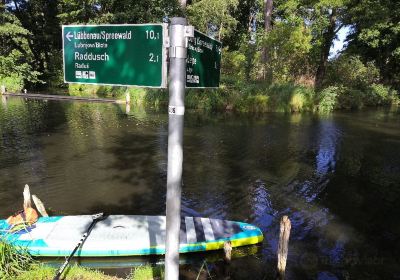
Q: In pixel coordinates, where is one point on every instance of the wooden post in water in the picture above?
(39, 206)
(27, 197)
(284, 235)
(228, 251)
(3, 89)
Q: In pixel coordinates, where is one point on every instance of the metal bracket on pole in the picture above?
(179, 33)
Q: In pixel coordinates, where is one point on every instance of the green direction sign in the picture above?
(120, 54)
(203, 61)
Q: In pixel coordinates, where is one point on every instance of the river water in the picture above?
(337, 177)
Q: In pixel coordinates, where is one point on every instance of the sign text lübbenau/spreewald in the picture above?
(114, 54)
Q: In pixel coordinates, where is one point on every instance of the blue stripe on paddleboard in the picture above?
(117, 253)
(49, 219)
(3, 224)
(185, 248)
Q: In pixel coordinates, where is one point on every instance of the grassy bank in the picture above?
(255, 97)
(42, 272)
(15, 263)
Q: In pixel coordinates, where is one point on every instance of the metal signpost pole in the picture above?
(177, 79)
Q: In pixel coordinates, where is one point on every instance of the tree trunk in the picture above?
(328, 37)
(268, 5)
(183, 4)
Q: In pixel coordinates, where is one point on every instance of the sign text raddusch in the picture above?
(126, 54)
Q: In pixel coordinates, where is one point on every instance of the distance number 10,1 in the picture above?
(151, 35)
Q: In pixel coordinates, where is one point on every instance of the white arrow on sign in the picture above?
(69, 36)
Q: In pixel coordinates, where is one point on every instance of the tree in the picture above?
(268, 6)
(183, 4)
(16, 57)
(206, 13)
(324, 18)
(39, 17)
(114, 11)
(376, 36)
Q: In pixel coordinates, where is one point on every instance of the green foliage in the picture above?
(147, 272)
(234, 65)
(114, 11)
(376, 36)
(201, 13)
(379, 94)
(96, 90)
(350, 71)
(42, 272)
(13, 83)
(16, 58)
(13, 260)
(291, 98)
(257, 103)
(209, 100)
(12, 34)
(288, 46)
(148, 97)
(350, 99)
(327, 99)
(302, 31)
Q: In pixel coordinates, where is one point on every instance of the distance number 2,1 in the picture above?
(153, 57)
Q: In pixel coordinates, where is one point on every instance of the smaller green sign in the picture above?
(115, 54)
(203, 62)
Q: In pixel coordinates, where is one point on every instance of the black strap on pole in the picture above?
(96, 218)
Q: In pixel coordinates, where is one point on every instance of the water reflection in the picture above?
(336, 177)
(328, 141)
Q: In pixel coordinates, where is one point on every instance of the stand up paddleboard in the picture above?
(126, 235)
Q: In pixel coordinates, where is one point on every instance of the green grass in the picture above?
(147, 273)
(13, 261)
(16, 263)
(253, 97)
(42, 272)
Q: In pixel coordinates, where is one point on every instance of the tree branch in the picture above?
(338, 28)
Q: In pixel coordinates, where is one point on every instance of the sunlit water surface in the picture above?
(337, 177)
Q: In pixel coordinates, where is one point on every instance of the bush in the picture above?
(150, 97)
(350, 99)
(378, 94)
(349, 71)
(209, 99)
(327, 99)
(394, 97)
(13, 83)
(96, 90)
(233, 66)
(290, 98)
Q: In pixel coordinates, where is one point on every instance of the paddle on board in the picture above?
(96, 218)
